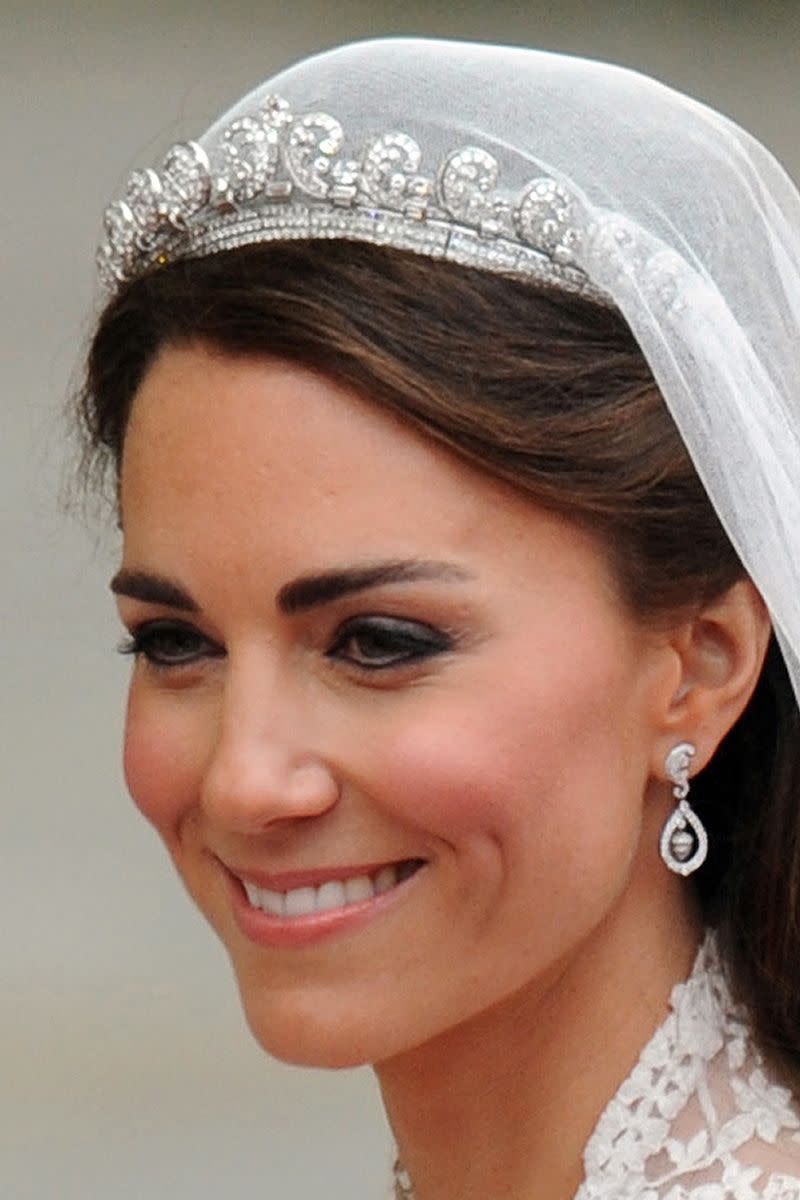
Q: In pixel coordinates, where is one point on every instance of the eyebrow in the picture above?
(308, 591)
(152, 589)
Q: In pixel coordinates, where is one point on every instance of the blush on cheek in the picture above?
(448, 780)
(159, 777)
(539, 773)
(140, 762)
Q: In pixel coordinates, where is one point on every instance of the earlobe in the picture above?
(721, 650)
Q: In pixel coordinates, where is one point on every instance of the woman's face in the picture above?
(391, 720)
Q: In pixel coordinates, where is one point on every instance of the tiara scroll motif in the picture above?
(274, 176)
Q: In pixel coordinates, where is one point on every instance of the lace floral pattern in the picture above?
(699, 1117)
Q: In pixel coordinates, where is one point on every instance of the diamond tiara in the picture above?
(273, 176)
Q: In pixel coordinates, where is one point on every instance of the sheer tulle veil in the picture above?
(657, 203)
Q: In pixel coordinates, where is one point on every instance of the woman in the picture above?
(451, 394)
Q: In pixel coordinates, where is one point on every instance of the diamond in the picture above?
(467, 182)
(275, 112)
(544, 218)
(677, 766)
(390, 171)
(120, 226)
(108, 265)
(248, 156)
(384, 196)
(144, 196)
(186, 180)
(313, 142)
(345, 182)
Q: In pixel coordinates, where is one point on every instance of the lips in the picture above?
(328, 894)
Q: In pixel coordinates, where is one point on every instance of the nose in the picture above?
(264, 767)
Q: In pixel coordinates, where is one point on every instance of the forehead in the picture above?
(213, 412)
(210, 426)
(243, 457)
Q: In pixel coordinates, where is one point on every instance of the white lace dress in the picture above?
(699, 1117)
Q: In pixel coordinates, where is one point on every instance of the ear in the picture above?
(720, 652)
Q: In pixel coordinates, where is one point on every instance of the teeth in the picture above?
(272, 902)
(302, 901)
(359, 888)
(331, 895)
(385, 880)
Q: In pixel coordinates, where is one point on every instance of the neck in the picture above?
(503, 1105)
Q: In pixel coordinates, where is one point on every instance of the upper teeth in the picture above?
(335, 893)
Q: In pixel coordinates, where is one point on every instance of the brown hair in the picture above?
(551, 392)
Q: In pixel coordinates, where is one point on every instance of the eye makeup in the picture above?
(381, 642)
(167, 643)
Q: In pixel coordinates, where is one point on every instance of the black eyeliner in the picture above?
(405, 642)
(144, 639)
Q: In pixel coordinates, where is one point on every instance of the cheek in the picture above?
(537, 779)
(162, 760)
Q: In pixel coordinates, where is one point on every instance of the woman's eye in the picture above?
(168, 644)
(375, 643)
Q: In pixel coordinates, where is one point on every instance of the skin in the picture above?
(509, 986)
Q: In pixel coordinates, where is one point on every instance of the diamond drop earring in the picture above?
(684, 841)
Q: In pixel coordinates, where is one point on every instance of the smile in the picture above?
(330, 894)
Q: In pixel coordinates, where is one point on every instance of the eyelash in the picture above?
(152, 640)
(404, 642)
(171, 645)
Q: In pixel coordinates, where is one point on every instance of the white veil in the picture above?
(640, 194)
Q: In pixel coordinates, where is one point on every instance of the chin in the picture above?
(304, 1031)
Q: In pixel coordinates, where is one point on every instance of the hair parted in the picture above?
(550, 392)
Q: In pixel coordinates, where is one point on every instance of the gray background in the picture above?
(125, 1068)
